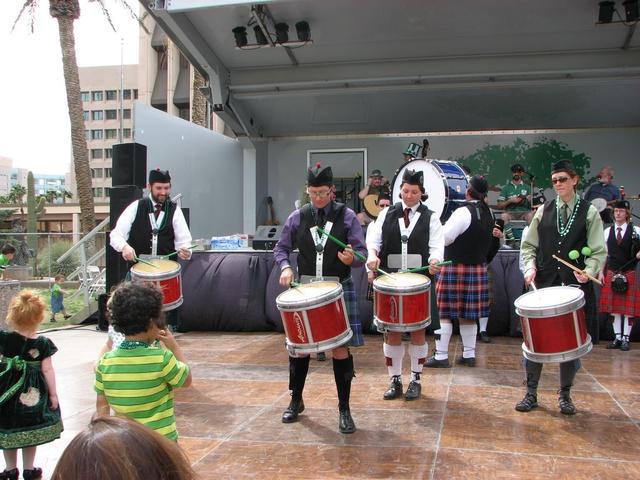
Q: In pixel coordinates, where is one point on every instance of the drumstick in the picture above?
(426, 267)
(576, 269)
(138, 259)
(169, 255)
(343, 245)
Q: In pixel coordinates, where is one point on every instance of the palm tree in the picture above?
(64, 194)
(16, 195)
(51, 195)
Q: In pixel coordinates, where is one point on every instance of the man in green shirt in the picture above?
(8, 252)
(563, 224)
(515, 197)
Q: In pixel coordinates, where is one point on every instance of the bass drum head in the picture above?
(433, 185)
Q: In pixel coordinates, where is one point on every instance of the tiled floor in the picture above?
(464, 426)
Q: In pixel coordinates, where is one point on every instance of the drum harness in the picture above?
(157, 224)
(405, 233)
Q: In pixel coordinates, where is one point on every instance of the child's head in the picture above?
(26, 310)
(9, 251)
(59, 278)
(133, 306)
(116, 447)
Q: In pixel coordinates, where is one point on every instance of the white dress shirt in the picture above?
(623, 230)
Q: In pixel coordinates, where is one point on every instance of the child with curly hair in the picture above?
(29, 410)
(137, 379)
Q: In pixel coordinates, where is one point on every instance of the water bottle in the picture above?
(621, 192)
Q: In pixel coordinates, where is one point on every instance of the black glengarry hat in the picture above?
(622, 204)
(479, 184)
(413, 149)
(318, 176)
(563, 166)
(159, 176)
(414, 177)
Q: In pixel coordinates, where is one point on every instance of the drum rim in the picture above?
(560, 309)
(319, 301)
(399, 290)
(559, 357)
(158, 275)
(322, 346)
(383, 326)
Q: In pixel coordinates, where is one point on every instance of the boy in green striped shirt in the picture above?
(137, 379)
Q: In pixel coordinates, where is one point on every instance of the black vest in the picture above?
(550, 271)
(140, 234)
(331, 264)
(619, 255)
(472, 247)
(418, 241)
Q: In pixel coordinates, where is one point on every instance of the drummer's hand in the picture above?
(286, 277)
(371, 276)
(184, 253)
(581, 278)
(373, 262)
(529, 276)
(433, 269)
(496, 232)
(346, 256)
(128, 253)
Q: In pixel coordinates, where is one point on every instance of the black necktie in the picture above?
(565, 213)
(157, 210)
(321, 217)
(405, 214)
(619, 236)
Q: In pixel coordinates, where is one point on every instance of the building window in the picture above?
(87, 134)
(126, 133)
(111, 133)
(85, 96)
(126, 113)
(96, 173)
(107, 174)
(112, 94)
(107, 192)
(111, 114)
(96, 134)
(96, 153)
(108, 152)
(97, 95)
(135, 93)
(97, 192)
(183, 113)
(126, 94)
(96, 115)
(85, 115)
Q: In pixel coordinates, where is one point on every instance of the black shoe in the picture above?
(433, 363)
(566, 405)
(12, 474)
(615, 344)
(346, 424)
(32, 474)
(53, 320)
(321, 356)
(529, 402)
(624, 345)
(484, 337)
(413, 391)
(467, 362)
(67, 316)
(394, 390)
(295, 407)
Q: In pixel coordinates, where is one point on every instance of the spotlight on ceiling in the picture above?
(260, 37)
(631, 10)
(240, 34)
(282, 32)
(303, 31)
(605, 13)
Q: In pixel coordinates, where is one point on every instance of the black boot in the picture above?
(298, 369)
(565, 403)
(395, 388)
(530, 400)
(343, 374)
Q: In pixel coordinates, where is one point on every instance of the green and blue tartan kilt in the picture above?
(351, 302)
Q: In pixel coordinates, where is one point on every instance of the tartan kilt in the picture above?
(627, 303)
(351, 302)
(463, 292)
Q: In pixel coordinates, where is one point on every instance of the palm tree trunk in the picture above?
(78, 140)
(199, 107)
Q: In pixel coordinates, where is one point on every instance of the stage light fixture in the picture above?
(260, 37)
(282, 32)
(631, 10)
(605, 12)
(240, 34)
(303, 31)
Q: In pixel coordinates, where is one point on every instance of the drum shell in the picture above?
(315, 323)
(556, 333)
(169, 281)
(401, 308)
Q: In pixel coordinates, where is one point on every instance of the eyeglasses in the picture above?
(559, 180)
(319, 194)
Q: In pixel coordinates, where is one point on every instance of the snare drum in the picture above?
(445, 183)
(165, 274)
(314, 317)
(553, 324)
(401, 302)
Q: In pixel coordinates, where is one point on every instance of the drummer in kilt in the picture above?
(621, 297)
(563, 224)
(412, 222)
(317, 255)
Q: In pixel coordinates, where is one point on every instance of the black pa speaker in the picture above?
(103, 314)
(116, 266)
(119, 199)
(266, 237)
(129, 165)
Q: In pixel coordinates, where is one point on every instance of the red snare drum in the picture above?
(401, 302)
(314, 316)
(165, 274)
(553, 324)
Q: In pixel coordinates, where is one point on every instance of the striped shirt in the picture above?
(139, 382)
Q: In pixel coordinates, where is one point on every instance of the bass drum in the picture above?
(445, 183)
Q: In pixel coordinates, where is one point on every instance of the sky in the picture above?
(34, 120)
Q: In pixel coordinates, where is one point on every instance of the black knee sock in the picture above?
(298, 369)
(534, 370)
(343, 374)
